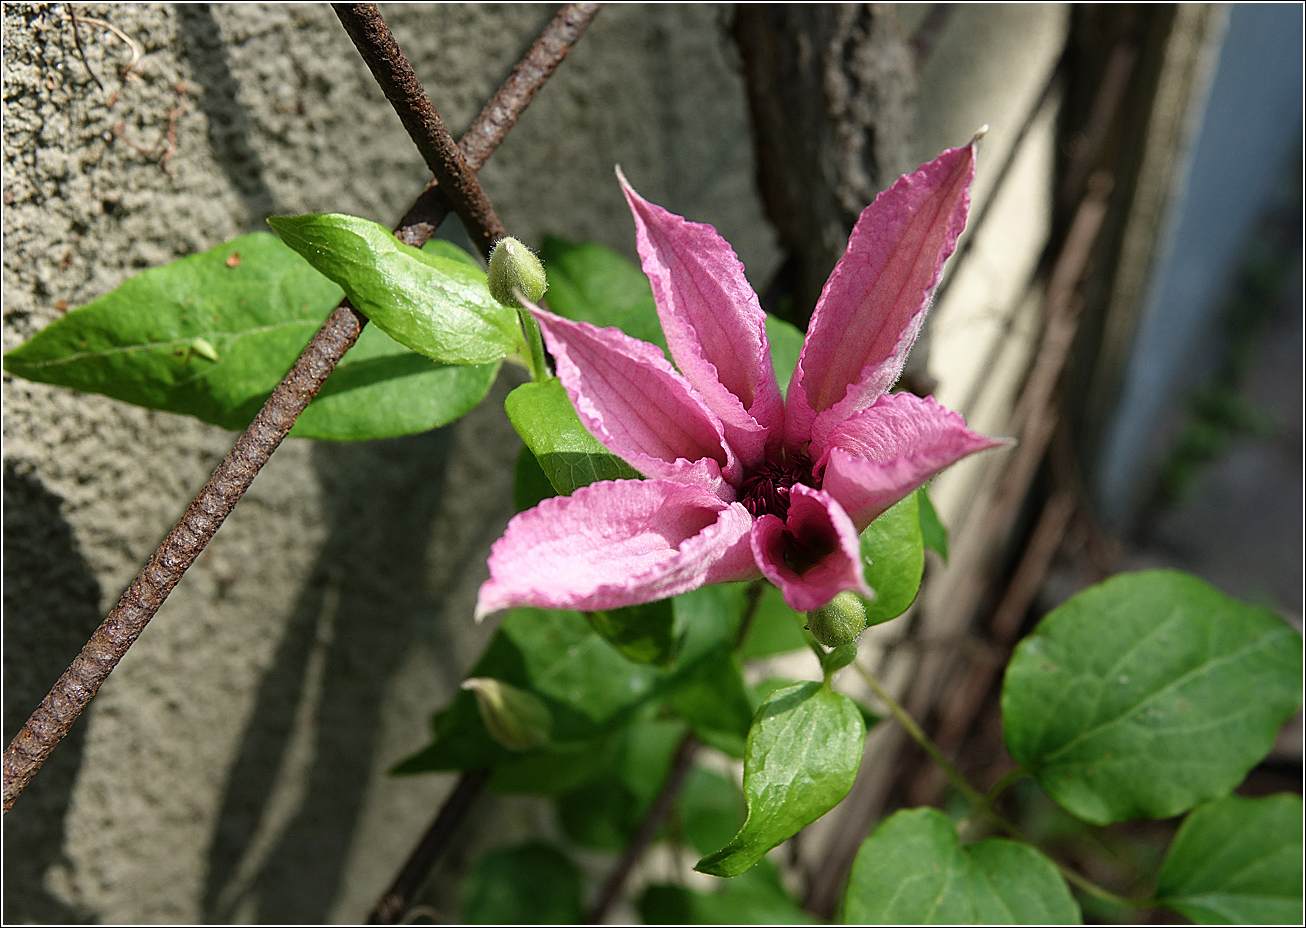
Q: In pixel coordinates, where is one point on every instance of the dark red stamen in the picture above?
(766, 491)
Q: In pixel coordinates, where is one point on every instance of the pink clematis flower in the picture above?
(743, 482)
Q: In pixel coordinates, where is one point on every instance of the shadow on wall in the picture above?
(229, 126)
(299, 780)
(51, 606)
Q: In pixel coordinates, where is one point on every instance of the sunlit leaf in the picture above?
(803, 752)
(434, 305)
(569, 456)
(211, 335)
(895, 560)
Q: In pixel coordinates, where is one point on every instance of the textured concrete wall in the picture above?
(233, 766)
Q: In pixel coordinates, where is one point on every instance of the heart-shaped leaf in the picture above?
(1237, 861)
(1147, 694)
(914, 871)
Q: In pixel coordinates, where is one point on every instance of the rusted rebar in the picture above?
(401, 86)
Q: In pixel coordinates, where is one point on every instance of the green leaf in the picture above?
(530, 485)
(570, 456)
(802, 756)
(714, 700)
(913, 871)
(559, 769)
(605, 812)
(755, 898)
(251, 302)
(644, 633)
(532, 884)
(707, 620)
(711, 809)
(588, 686)
(776, 628)
(380, 389)
(763, 689)
(786, 345)
(1237, 861)
(436, 306)
(1147, 694)
(933, 535)
(443, 248)
(895, 557)
(211, 335)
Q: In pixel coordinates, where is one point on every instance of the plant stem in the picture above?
(70, 695)
(756, 590)
(457, 804)
(681, 764)
(1010, 777)
(919, 736)
(1088, 886)
(985, 807)
(982, 803)
(539, 367)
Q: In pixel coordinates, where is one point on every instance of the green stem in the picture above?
(1088, 886)
(821, 653)
(1003, 785)
(919, 736)
(984, 804)
(756, 590)
(535, 362)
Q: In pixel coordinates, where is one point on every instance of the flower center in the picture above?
(766, 491)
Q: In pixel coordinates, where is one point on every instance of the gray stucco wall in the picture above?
(233, 766)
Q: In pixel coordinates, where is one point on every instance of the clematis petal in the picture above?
(881, 454)
(714, 325)
(874, 303)
(617, 543)
(638, 407)
(814, 554)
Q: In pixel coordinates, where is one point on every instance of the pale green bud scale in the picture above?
(516, 718)
(515, 269)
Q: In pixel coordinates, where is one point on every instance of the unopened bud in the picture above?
(517, 719)
(514, 268)
(840, 621)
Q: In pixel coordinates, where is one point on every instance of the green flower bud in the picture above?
(840, 621)
(517, 719)
(513, 268)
